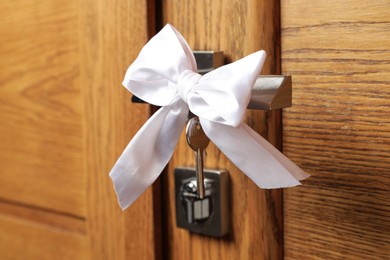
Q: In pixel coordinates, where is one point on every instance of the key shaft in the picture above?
(198, 141)
(199, 173)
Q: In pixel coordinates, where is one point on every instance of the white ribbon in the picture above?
(164, 74)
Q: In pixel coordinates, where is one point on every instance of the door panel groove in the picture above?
(43, 216)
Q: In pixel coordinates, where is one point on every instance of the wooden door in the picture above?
(64, 120)
(237, 28)
(338, 128)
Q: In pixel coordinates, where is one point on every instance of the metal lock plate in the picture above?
(209, 216)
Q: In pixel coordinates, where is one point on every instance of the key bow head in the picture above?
(196, 138)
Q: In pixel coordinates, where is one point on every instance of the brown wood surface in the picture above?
(43, 217)
(42, 183)
(65, 118)
(237, 28)
(25, 239)
(33, 233)
(338, 128)
(113, 33)
(40, 113)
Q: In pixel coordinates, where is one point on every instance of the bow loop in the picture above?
(187, 80)
(155, 72)
(223, 94)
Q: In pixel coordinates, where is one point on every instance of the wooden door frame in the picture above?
(110, 120)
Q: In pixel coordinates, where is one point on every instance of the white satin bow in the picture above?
(164, 74)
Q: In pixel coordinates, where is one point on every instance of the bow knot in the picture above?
(162, 73)
(186, 81)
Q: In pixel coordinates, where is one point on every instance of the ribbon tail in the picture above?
(148, 152)
(254, 155)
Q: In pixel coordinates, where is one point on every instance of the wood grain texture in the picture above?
(237, 28)
(32, 214)
(40, 113)
(338, 129)
(25, 239)
(113, 32)
(65, 118)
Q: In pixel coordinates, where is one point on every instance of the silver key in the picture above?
(198, 141)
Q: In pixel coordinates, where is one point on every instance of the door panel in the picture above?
(112, 34)
(40, 136)
(237, 28)
(338, 128)
(65, 118)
